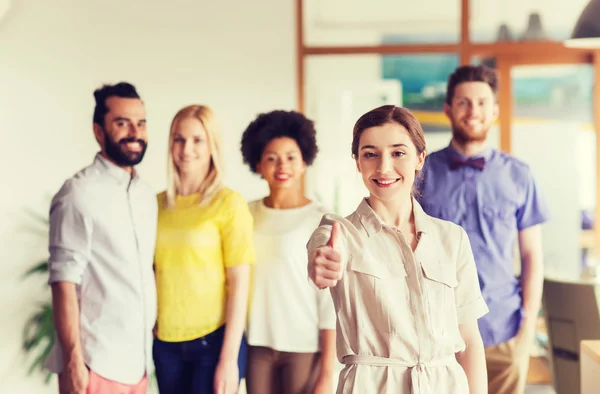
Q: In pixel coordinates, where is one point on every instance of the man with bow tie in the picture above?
(494, 197)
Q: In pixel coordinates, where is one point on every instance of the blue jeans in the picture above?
(189, 367)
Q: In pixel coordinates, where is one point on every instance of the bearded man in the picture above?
(494, 197)
(101, 244)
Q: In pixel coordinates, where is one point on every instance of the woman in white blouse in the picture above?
(404, 284)
(291, 326)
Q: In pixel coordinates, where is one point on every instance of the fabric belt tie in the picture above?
(418, 371)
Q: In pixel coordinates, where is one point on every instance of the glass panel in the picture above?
(552, 131)
(486, 61)
(424, 80)
(340, 88)
(523, 20)
(358, 22)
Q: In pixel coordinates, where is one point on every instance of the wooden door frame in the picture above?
(550, 52)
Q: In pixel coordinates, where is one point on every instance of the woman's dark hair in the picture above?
(389, 114)
(278, 124)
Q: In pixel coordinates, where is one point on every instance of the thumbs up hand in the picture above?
(325, 263)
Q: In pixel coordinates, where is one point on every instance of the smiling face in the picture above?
(281, 164)
(472, 111)
(388, 161)
(190, 148)
(122, 135)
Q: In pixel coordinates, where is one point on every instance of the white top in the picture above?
(286, 312)
(102, 236)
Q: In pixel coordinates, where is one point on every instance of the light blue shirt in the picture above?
(492, 204)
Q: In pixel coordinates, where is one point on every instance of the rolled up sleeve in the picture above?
(69, 238)
(534, 209)
(470, 305)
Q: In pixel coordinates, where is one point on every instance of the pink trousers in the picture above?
(99, 385)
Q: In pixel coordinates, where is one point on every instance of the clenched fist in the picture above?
(325, 266)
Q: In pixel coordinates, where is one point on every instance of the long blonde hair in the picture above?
(213, 182)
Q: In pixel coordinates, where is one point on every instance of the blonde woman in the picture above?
(204, 250)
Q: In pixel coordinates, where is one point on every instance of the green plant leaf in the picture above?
(39, 268)
(38, 337)
(38, 331)
(40, 360)
(38, 327)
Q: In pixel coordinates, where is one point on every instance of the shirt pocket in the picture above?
(501, 217)
(438, 287)
(381, 293)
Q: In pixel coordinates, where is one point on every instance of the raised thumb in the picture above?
(335, 233)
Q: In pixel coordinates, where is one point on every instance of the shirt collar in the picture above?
(120, 175)
(373, 224)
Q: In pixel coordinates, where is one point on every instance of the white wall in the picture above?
(539, 145)
(236, 56)
(340, 88)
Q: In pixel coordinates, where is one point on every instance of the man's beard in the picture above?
(462, 136)
(118, 152)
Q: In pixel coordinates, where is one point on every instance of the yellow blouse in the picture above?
(194, 246)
